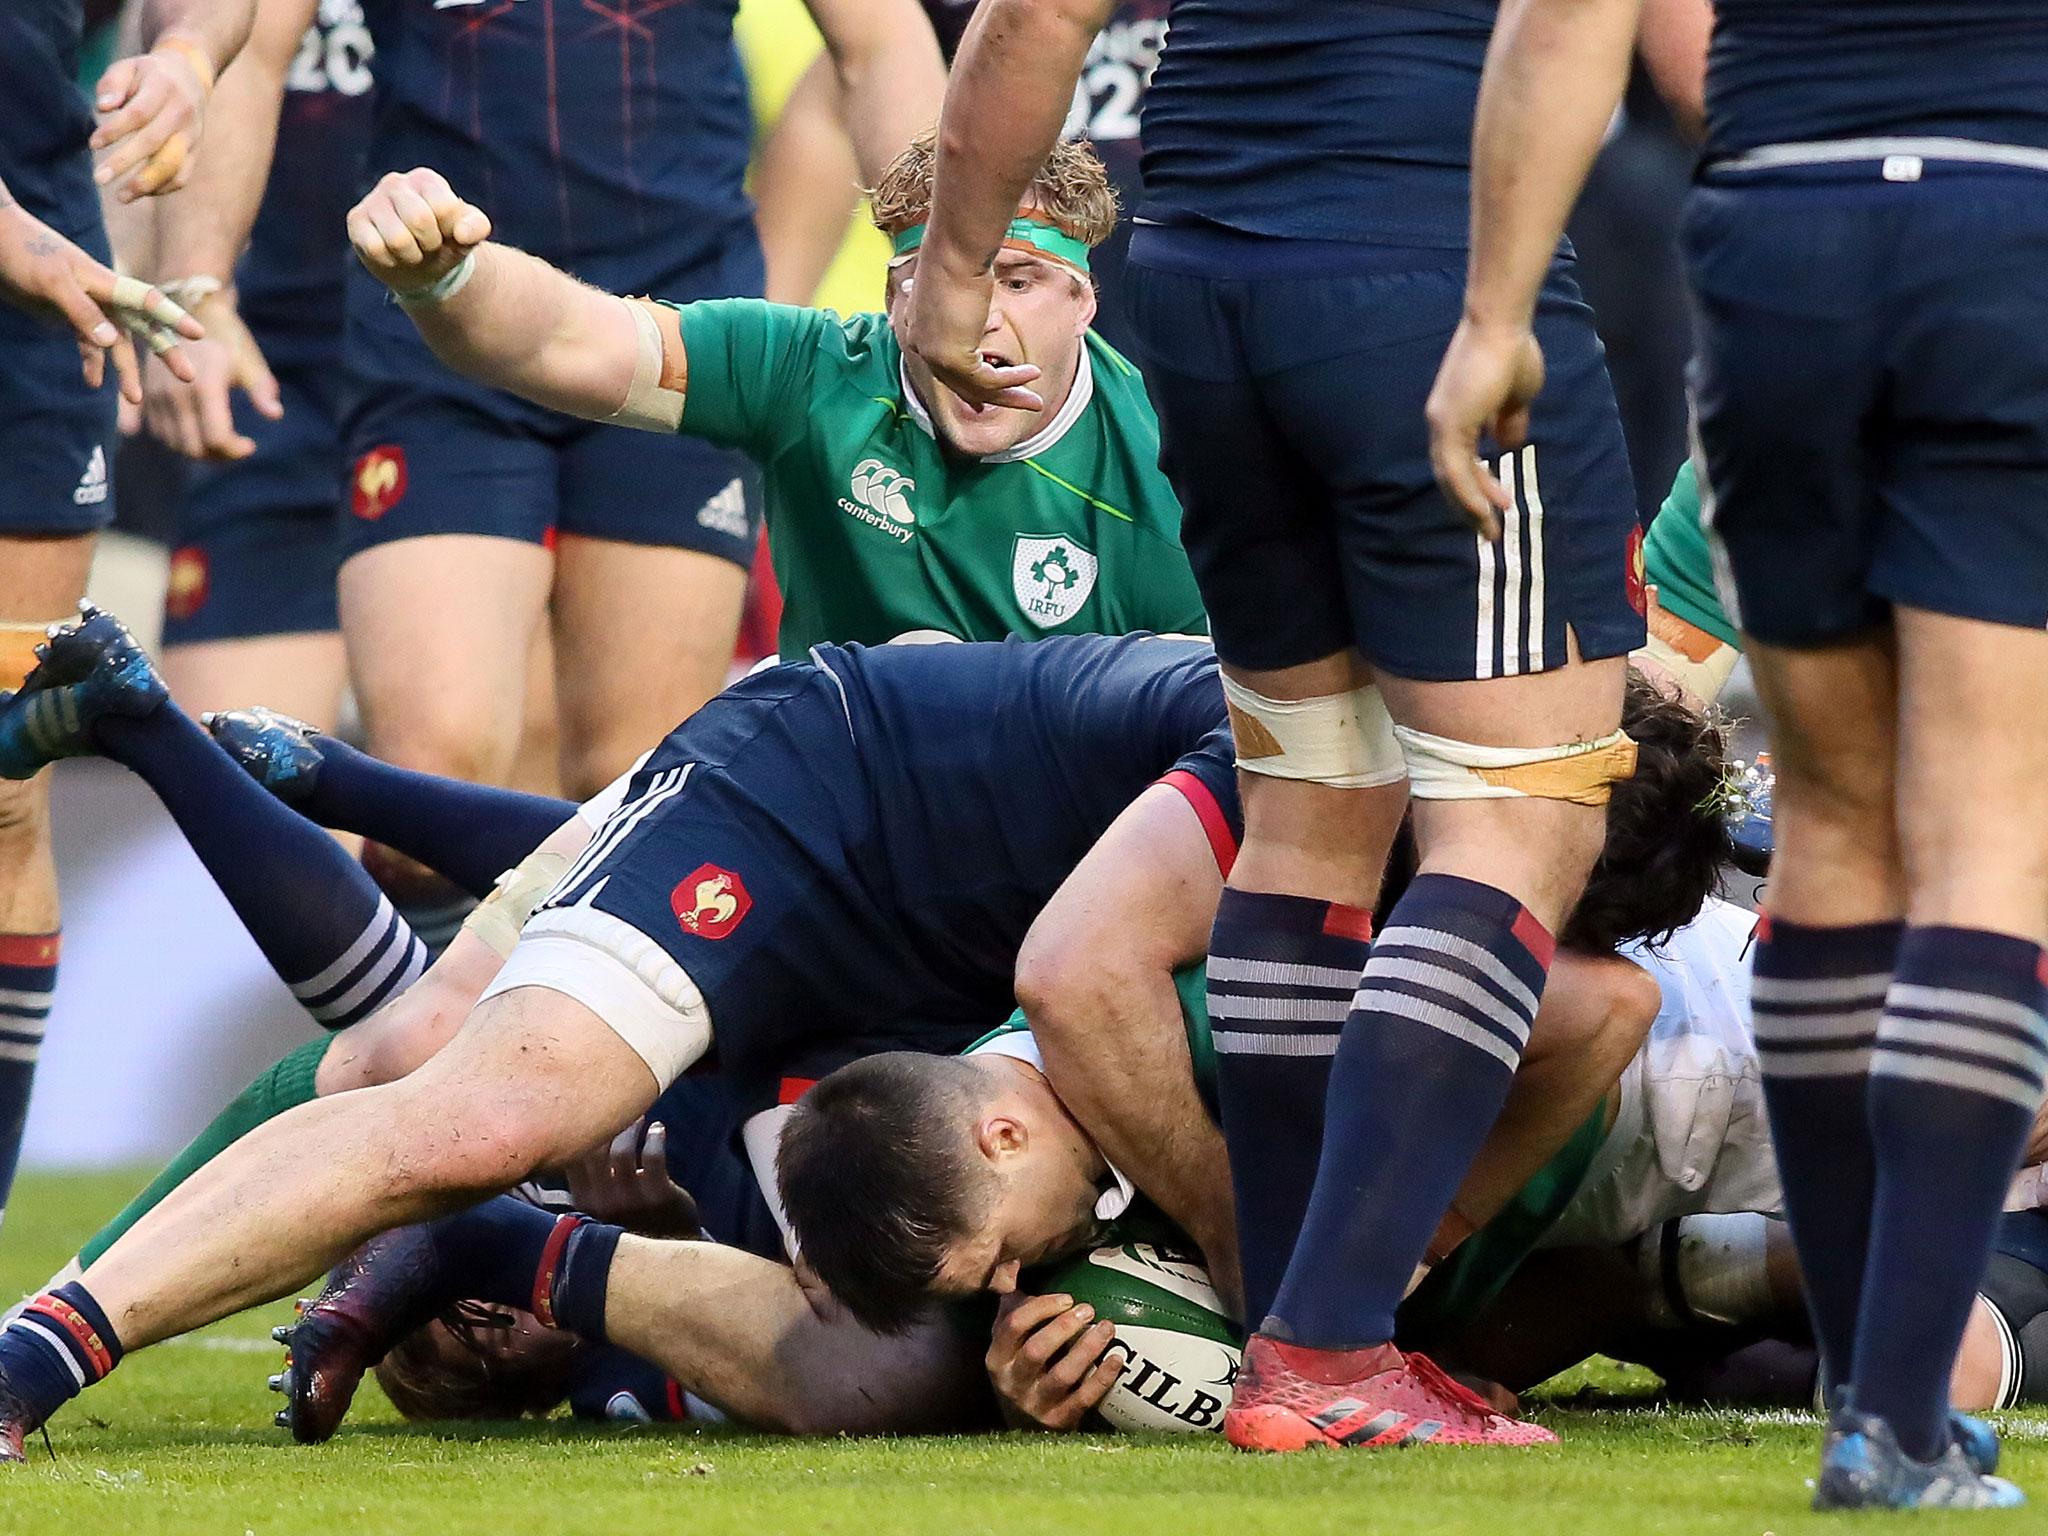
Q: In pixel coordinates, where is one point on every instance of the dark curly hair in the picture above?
(1667, 847)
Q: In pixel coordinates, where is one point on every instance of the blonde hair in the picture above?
(1071, 189)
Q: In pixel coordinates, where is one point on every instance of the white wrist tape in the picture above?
(1581, 772)
(449, 284)
(652, 404)
(500, 915)
(1344, 740)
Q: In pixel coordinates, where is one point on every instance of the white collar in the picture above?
(1038, 442)
(1019, 1045)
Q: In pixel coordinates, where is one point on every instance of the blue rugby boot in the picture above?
(1977, 1440)
(1748, 816)
(89, 668)
(278, 752)
(1862, 1467)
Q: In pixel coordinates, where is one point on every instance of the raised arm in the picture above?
(510, 320)
(1554, 74)
(891, 78)
(1095, 977)
(1013, 82)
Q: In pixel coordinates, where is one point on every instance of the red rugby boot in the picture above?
(1294, 1399)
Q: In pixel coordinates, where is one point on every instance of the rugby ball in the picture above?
(1182, 1348)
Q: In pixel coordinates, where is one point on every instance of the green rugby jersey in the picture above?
(1463, 1285)
(877, 532)
(1676, 561)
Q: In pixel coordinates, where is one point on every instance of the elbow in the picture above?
(1066, 985)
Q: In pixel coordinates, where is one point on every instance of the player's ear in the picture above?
(1090, 303)
(1001, 1135)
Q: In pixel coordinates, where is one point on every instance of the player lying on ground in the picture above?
(896, 920)
(1002, 1176)
(879, 528)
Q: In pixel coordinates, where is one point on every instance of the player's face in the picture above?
(1044, 1209)
(1039, 315)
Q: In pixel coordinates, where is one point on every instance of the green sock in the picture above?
(288, 1083)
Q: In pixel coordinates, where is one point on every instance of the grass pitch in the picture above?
(180, 1441)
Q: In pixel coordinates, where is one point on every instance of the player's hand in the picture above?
(195, 417)
(627, 1183)
(944, 319)
(412, 230)
(1050, 1360)
(152, 108)
(43, 272)
(1489, 376)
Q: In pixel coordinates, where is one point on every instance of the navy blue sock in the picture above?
(1815, 996)
(1954, 1082)
(60, 1344)
(471, 833)
(1282, 972)
(507, 1251)
(1427, 1054)
(315, 913)
(28, 978)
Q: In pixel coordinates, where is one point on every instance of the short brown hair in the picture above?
(1071, 189)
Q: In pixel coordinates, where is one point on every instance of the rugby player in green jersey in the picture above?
(890, 519)
(894, 507)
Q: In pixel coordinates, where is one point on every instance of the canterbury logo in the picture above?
(882, 489)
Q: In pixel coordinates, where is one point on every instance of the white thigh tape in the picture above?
(1583, 772)
(650, 406)
(1344, 740)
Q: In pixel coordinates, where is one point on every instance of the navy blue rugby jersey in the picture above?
(609, 137)
(994, 768)
(290, 279)
(1793, 71)
(45, 120)
(1341, 120)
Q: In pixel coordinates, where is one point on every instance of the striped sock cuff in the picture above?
(28, 981)
(67, 1319)
(1965, 1011)
(1282, 971)
(385, 959)
(1816, 994)
(1463, 958)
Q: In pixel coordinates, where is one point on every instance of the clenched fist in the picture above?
(412, 230)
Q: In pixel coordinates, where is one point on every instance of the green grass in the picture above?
(179, 1441)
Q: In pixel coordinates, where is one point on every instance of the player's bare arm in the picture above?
(152, 106)
(1016, 66)
(43, 272)
(1095, 977)
(199, 235)
(1554, 73)
(507, 319)
(891, 78)
(806, 184)
(1672, 43)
